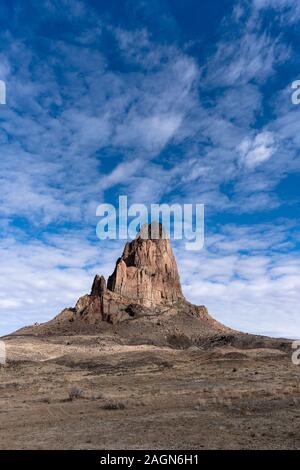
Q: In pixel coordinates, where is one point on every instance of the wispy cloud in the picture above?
(257, 151)
(248, 277)
(97, 109)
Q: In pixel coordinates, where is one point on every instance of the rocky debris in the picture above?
(137, 311)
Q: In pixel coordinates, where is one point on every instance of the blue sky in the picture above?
(164, 101)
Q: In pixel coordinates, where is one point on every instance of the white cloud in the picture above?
(289, 9)
(135, 113)
(251, 57)
(247, 277)
(40, 278)
(258, 150)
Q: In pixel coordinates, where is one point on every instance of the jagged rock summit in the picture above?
(145, 285)
(147, 271)
(144, 282)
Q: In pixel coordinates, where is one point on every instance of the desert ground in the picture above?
(94, 391)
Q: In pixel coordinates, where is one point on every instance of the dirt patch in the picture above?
(145, 396)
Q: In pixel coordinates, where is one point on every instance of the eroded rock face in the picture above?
(147, 273)
(99, 286)
(145, 282)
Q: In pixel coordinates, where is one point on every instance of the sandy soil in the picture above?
(146, 396)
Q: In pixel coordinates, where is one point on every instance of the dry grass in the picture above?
(114, 405)
(75, 393)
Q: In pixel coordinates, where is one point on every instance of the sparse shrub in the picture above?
(46, 400)
(114, 405)
(75, 393)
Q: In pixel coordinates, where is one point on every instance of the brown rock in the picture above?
(99, 286)
(147, 273)
(145, 283)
